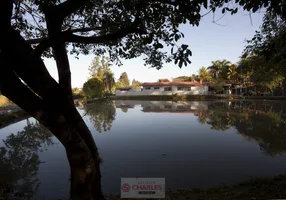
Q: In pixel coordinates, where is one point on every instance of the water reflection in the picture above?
(19, 161)
(262, 122)
(101, 114)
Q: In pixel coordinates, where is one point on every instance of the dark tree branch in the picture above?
(32, 71)
(87, 29)
(6, 10)
(43, 46)
(45, 43)
(103, 39)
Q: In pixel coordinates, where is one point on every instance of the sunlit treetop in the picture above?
(121, 28)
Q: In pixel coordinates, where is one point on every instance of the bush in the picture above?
(77, 93)
(93, 88)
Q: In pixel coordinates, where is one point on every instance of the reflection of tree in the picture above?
(124, 109)
(19, 161)
(261, 122)
(101, 114)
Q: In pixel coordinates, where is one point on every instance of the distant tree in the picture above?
(218, 67)
(99, 67)
(124, 79)
(105, 64)
(95, 68)
(232, 74)
(136, 84)
(195, 77)
(109, 81)
(182, 79)
(204, 74)
(118, 84)
(77, 93)
(163, 80)
(93, 88)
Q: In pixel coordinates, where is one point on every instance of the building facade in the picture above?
(166, 88)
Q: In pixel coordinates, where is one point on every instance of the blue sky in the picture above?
(208, 42)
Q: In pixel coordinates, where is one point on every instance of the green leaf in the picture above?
(206, 4)
(180, 63)
(184, 46)
(223, 11)
(160, 46)
(177, 37)
(176, 60)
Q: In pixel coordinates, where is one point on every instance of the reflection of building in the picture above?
(167, 88)
(175, 107)
(165, 106)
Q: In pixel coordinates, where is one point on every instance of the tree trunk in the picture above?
(49, 103)
(84, 168)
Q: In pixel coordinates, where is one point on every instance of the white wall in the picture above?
(195, 90)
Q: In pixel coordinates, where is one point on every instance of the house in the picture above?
(167, 88)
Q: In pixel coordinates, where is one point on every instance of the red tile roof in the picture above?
(193, 83)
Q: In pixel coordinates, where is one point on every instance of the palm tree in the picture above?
(232, 73)
(204, 74)
(109, 80)
(217, 67)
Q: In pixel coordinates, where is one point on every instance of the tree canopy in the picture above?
(123, 29)
(124, 79)
(93, 88)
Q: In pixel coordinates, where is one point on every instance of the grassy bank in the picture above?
(5, 101)
(256, 188)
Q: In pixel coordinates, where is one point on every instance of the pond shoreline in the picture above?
(11, 116)
(196, 97)
(255, 188)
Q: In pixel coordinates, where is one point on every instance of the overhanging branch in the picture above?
(105, 38)
(68, 36)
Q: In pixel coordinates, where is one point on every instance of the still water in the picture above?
(191, 144)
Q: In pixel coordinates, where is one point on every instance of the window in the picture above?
(180, 107)
(124, 89)
(167, 106)
(147, 88)
(156, 88)
(184, 88)
(167, 89)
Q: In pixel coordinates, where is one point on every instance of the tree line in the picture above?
(101, 81)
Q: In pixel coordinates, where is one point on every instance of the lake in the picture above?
(191, 144)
